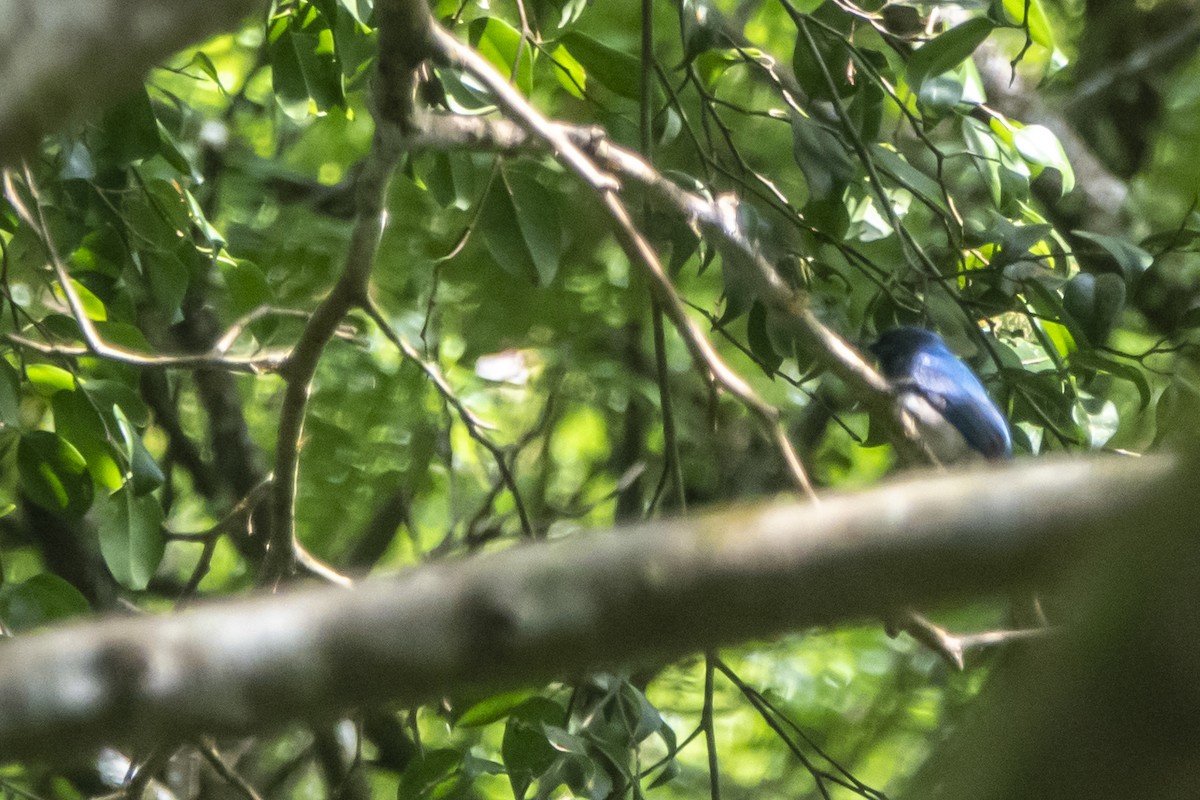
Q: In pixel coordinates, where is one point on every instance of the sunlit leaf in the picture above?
(54, 474)
(427, 775)
(571, 74)
(47, 379)
(501, 43)
(77, 421)
(1034, 21)
(615, 70)
(493, 708)
(1039, 146)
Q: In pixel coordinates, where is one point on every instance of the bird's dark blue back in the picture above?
(918, 360)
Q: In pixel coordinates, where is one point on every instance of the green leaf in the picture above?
(521, 229)
(615, 70)
(77, 421)
(247, 286)
(739, 291)
(10, 396)
(146, 474)
(131, 539)
(287, 77)
(1048, 305)
(866, 110)
(1186, 239)
(54, 474)
(39, 600)
(525, 749)
(1015, 275)
(1038, 397)
(429, 774)
(106, 394)
(461, 96)
(93, 307)
(823, 159)
(168, 148)
(493, 708)
(908, 176)
(1038, 145)
(101, 251)
(563, 741)
(571, 74)
(205, 64)
(1015, 241)
(939, 95)
(760, 341)
(167, 277)
(985, 154)
(1096, 302)
(1132, 259)
(1036, 22)
(304, 64)
(649, 720)
(128, 130)
(831, 56)
(1093, 360)
(670, 772)
(211, 234)
(581, 774)
(500, 43)
(947, 51)
(701, 29)
(47, 379)
(359, 9)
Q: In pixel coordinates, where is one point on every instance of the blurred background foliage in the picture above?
(875, 167)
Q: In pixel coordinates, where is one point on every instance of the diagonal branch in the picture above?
(637, 249)
(718, 220)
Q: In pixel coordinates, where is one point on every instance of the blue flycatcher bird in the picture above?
(918, 363)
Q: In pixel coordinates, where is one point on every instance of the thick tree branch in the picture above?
(64, 61)
(645, 594)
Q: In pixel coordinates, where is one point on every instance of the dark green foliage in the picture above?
(869, 167)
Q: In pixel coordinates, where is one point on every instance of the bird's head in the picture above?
(895, 348)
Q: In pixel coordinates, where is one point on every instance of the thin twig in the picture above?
(472, 423)
(95, 343)
(632, 241)
(208, 748)
(710, 733)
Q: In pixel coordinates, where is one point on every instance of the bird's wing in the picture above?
(951, 387)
